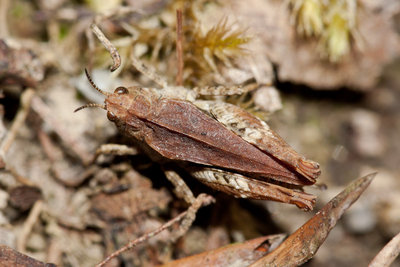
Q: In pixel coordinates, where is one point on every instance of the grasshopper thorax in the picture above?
(126, 102)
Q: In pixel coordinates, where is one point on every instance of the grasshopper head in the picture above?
(128, 102)
(123, 103)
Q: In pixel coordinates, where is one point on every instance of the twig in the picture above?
(91, 47)
(54, 251)
(201, 200)
(46, 114)
(115, 149)
(4, 9)
(26, 99)
(28, 225)
(188, 220)
(388, 254)
(49, 148)
(141, 239)
(109, 46)
(21, 179)
(179, 47)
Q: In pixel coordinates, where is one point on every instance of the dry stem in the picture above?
(388, 254)
(109, 46)
(179, 47)
(4, 9)
(26, 99)
(28, 225)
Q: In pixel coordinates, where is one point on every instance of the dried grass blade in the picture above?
(388, 254)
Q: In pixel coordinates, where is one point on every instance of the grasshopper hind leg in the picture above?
(243, 187)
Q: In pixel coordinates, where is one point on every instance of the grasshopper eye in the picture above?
(111, 116)
(121, 90)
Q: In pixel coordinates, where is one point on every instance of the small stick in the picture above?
(26, 99)
(91, 46)
(4, 9)
(201, 200)
(28, 225)
(179, 47)
(141, 239)
(52, 152)
(109, 46)
(19, 178)
(116, 149)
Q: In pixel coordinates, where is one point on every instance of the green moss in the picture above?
(332, 22)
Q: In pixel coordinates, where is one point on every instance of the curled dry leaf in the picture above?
(304, 243)
(238, 254)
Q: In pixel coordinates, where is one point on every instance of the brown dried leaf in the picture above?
(239, 254)
(23, 197)
(11, 257)
(304, 243)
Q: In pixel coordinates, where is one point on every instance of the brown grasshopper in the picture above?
(222, 145)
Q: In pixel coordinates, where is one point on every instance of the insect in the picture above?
(218, 143)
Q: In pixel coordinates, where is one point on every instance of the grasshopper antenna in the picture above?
(91, 105)
(94, 85)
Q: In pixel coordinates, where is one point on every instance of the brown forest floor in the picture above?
(58, 206)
